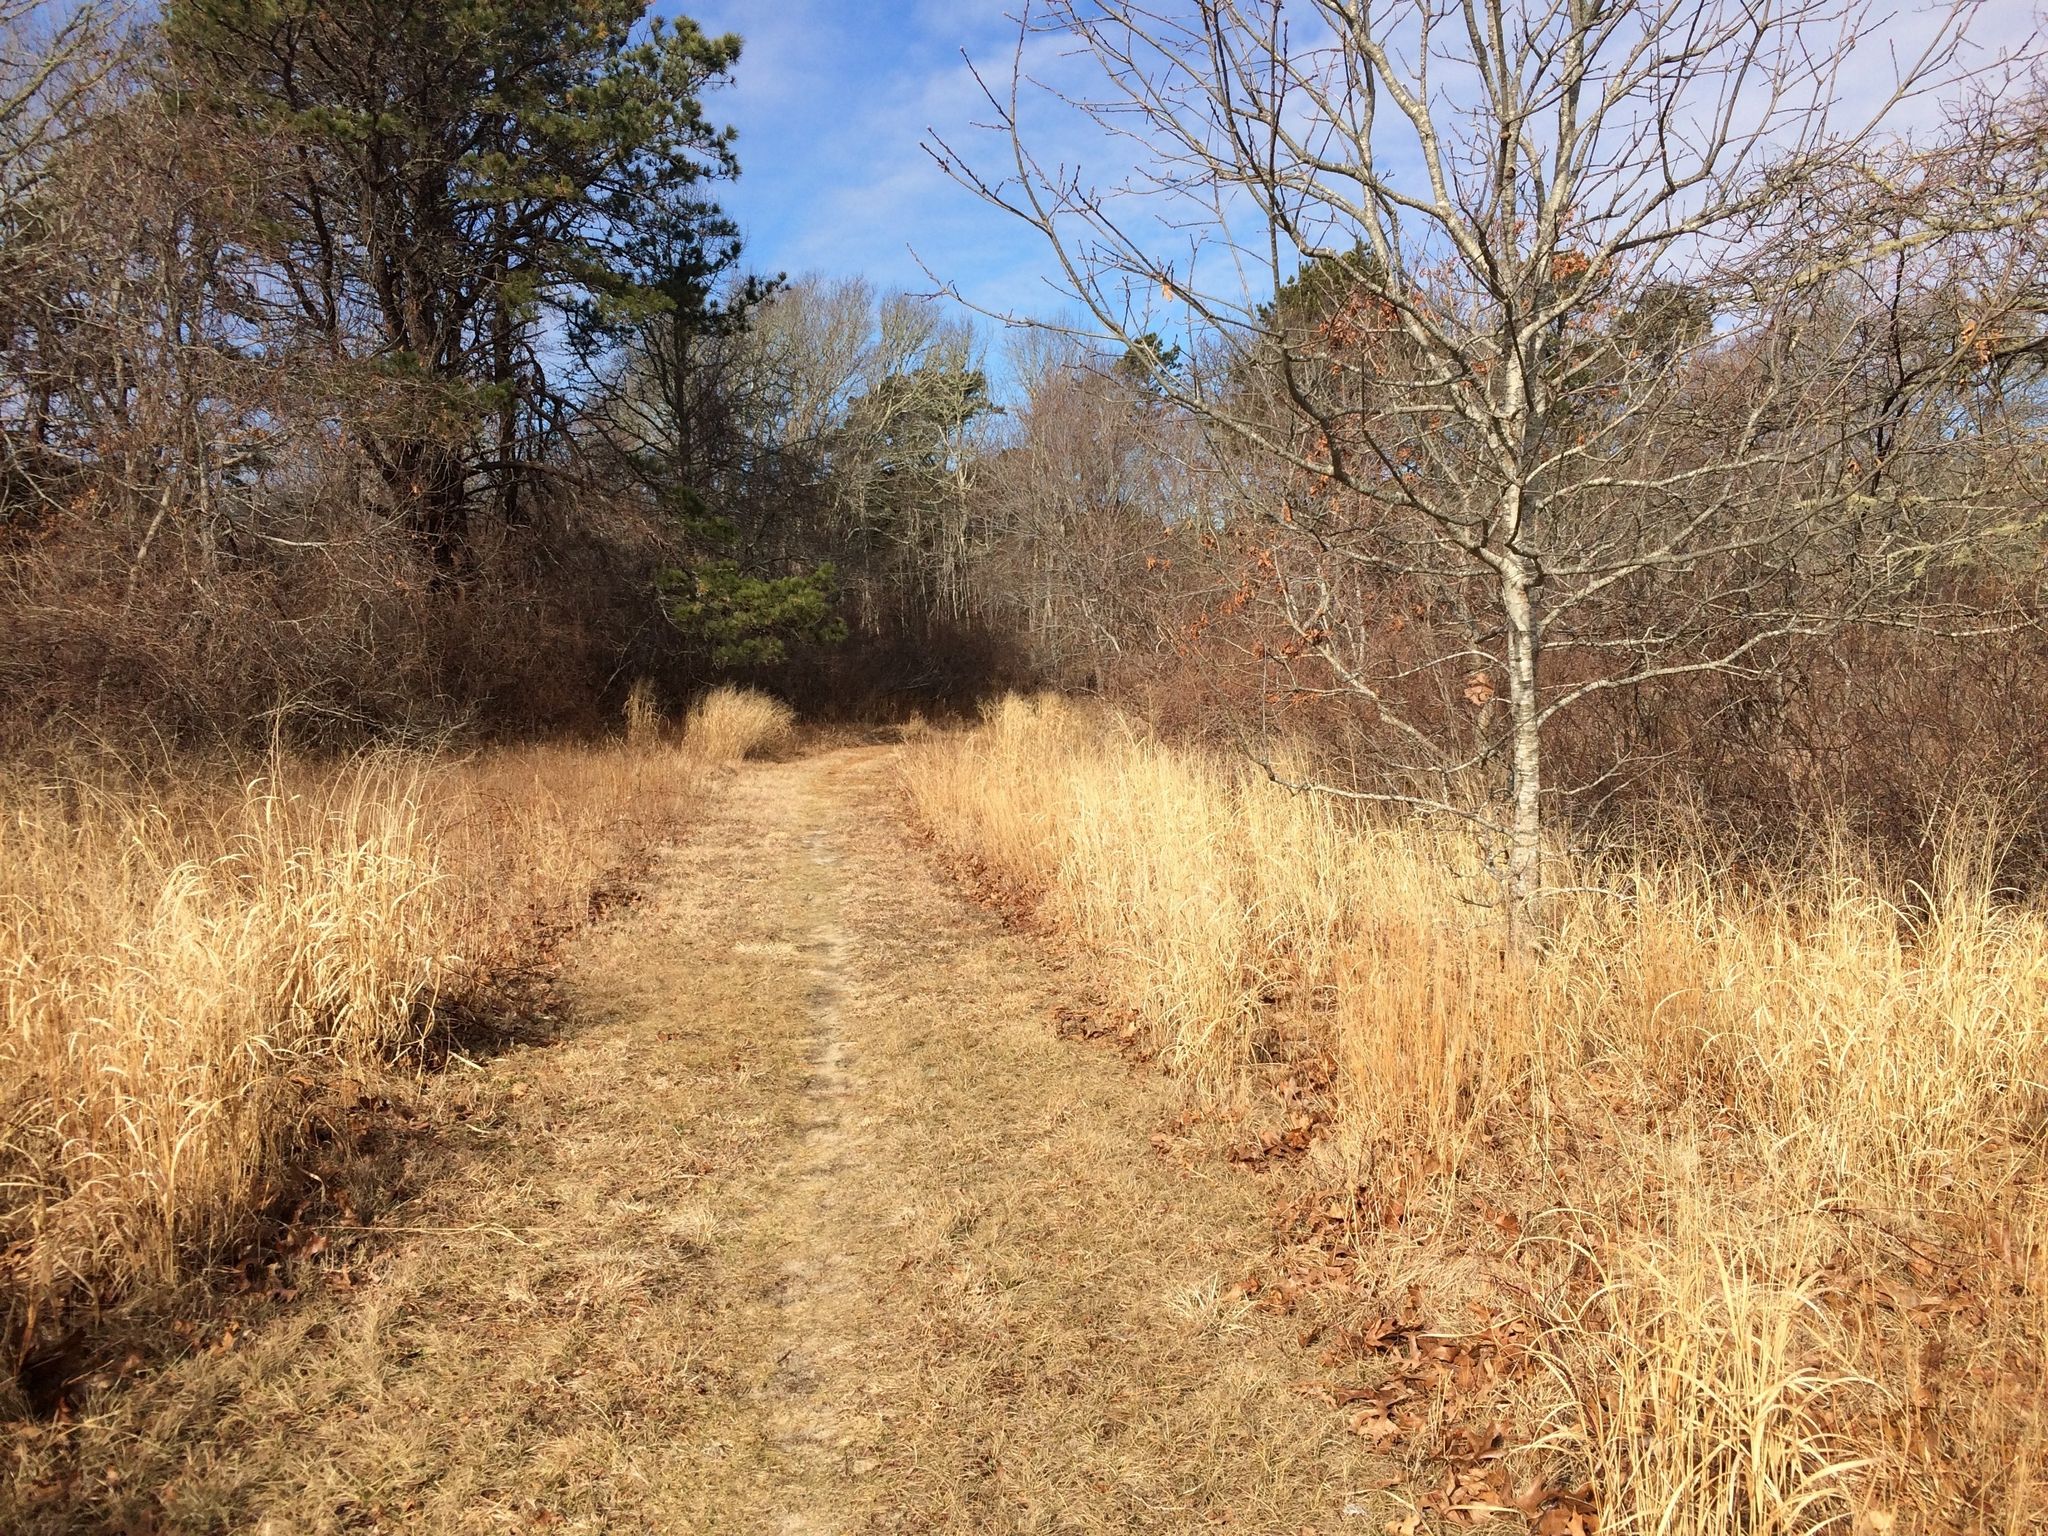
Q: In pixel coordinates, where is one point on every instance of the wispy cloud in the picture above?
(834, 100)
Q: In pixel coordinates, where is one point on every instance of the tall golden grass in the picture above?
(1782, 1144)
(184, 966)
(727, 724)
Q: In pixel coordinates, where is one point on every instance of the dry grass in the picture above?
(643, 714)
(727, 725)
(797, 1221)
(1775, 1152)
(187, 969)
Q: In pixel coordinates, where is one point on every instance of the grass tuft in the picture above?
(728, 725)
(186, 969)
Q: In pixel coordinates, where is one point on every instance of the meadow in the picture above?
(202, 968)
(1741, 1177)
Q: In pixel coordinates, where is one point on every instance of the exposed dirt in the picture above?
(809, 1221)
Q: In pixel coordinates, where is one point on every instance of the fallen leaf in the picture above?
(1375, 1423)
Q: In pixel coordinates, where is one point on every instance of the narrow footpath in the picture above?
(809, 1221)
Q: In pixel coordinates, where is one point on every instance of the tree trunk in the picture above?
(429, 485)
(505, 378)
(1525, 754)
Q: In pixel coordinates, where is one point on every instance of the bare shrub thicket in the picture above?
(1575, 384)
(192, 534)
(290, 444)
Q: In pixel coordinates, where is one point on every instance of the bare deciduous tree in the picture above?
(1586, 343)
(1089, 478)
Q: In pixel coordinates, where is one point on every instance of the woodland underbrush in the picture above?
(201, 967)
(1721, 1210)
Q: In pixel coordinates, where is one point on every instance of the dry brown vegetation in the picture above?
(729, 724)
(1754, 1168)
(1635, 542)
(198, 974)
(795, 1217)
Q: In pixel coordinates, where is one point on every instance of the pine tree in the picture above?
(472, 182)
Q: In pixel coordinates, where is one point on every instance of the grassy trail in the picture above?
(806, 1222)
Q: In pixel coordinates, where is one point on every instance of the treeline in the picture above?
(375, 368)
(380, 368)
(1576, 421)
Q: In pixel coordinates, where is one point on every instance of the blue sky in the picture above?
(831, 100)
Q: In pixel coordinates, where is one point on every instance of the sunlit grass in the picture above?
(728, 724)
(1820, 1061)
(184, 966)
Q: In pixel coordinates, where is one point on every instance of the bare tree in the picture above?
(53, 63)
(52, 59)
(876, 400)
(1081, 495)
(1560, 331)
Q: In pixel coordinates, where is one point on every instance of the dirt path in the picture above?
(809, 1224)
